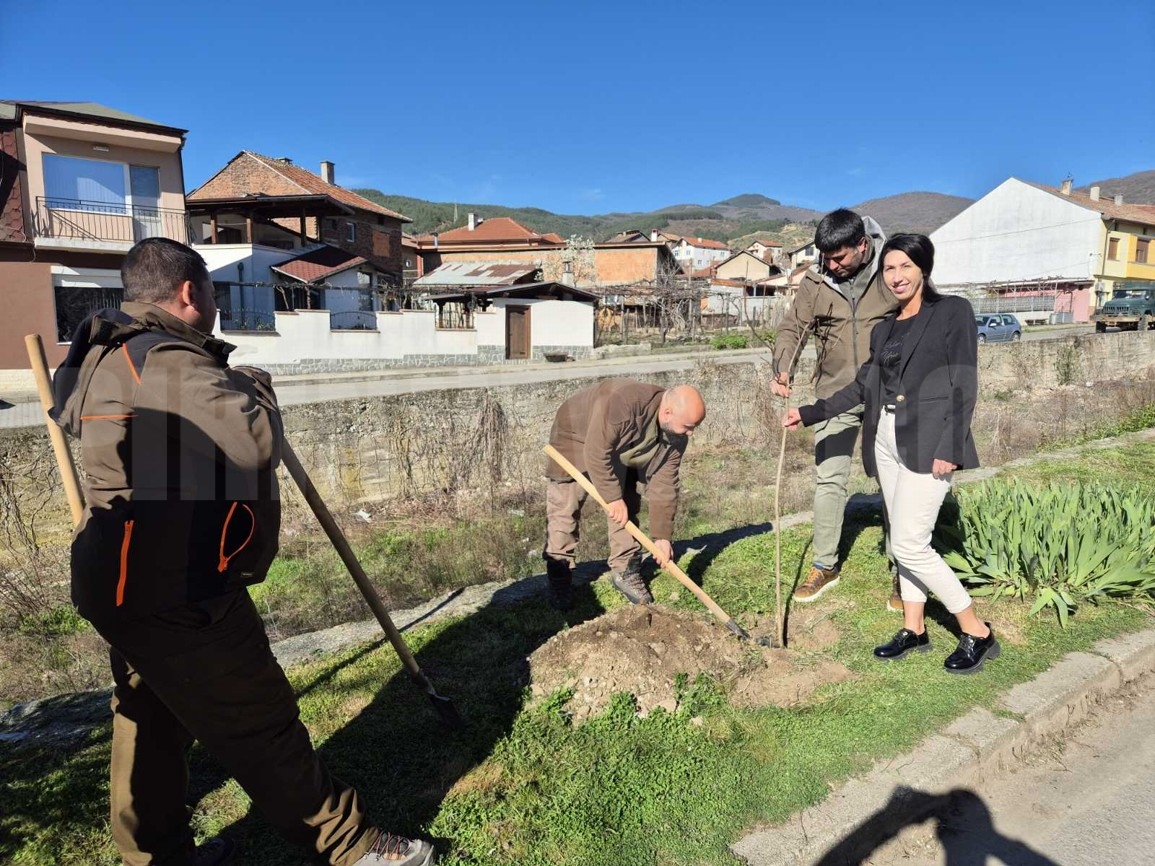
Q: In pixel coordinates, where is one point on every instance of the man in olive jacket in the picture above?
(620, 433)
(840, 299)
(182, 514)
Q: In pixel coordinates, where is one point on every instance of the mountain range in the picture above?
(744, 216)
(736, 220)
(1137, 188)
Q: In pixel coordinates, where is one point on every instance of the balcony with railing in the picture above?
(93, 225)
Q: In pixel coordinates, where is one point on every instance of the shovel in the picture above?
(443, 705)
(643, 539)
(70, 478)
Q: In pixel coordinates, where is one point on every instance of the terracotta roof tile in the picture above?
(706, 243)
(238, 179)
(494, 229)
(319, 264)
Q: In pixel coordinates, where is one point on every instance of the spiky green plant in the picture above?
(1057, 545)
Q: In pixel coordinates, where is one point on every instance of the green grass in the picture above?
(1130, 466)
(1142, 418)
(521, 785)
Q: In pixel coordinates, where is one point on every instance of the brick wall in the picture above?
(623, 266)
(379, 243)
(245, 175)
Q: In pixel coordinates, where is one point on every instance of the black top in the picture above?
(890, 356)
(938, 388)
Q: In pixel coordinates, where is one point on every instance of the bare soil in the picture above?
(641, 649)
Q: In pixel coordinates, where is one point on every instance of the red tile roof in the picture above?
(496, 229)
(319, 264)
(706, 243)
(249, 173)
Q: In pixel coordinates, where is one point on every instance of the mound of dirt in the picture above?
(641, 650)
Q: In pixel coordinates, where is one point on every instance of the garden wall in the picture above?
(483, 441)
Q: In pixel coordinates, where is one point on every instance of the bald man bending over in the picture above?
(621, 434)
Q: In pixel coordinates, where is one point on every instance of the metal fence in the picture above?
(248, 320)
(103, 221)
(353, 320)
(1019, 304)
(454, 316)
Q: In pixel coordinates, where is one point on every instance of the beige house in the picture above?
(80, 183)
(747, 267)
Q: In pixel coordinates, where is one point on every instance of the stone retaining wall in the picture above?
(487, 440)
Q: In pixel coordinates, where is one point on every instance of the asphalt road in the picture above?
(1087, 800)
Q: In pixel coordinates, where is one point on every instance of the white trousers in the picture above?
(913, 500)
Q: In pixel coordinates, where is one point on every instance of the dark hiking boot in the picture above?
(216, 851)
(972, 651)
(817, 582)
(629, 583)
(560, 577)
(390, 850)
(901, 644)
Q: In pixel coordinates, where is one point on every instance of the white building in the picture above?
(694, 254)
(1018, 233)
(341, 320)
(1026, 239)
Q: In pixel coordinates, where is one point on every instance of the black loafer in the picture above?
(902, 643)
(972, 652)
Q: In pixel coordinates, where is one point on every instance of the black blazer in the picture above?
(938, 387)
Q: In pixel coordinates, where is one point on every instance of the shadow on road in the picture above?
(965, 831)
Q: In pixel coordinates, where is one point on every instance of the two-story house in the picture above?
(258, 215)
(80, 183)
(766, 250)
(698, 254)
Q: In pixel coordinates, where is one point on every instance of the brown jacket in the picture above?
(608, 428)
(179, 456)
(842, 326)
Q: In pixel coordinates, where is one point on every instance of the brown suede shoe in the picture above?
(817, 582)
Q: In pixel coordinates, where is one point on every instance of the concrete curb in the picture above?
(970, 748)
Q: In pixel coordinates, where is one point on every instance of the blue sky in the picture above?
(594, 107)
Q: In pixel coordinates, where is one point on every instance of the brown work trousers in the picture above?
(205, 672)
(563, 506)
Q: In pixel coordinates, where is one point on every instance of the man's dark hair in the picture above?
(839, 229)
(920, 250)
(156, 266)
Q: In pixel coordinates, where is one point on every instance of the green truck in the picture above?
(1132, 307)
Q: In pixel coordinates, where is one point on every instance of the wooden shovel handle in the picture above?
(64, 461)
(352, 564)
(643, 539)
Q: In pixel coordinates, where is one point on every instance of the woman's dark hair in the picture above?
(919, 250)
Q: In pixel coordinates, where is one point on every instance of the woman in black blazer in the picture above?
(919, 386)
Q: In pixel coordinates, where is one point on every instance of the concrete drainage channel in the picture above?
(868, 809)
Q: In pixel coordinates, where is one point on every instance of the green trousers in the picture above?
(833, 461)
(205, 672)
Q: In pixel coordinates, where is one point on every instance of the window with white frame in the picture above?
(72, 183)
(351, 232)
